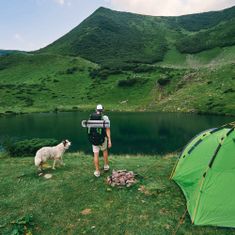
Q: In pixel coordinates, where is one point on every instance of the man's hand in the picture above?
(109, 143)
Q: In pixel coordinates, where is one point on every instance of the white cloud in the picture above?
(170, 7)
(18, 37)
(24, 44)
(60, 2)
(63, 2)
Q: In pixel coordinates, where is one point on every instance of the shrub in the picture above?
(127, 82)
(143, 69)
(163, 81)
(8, 86)
(28, 101)
(27, 147)
(132, 81)
(229, 90)
(10, 112)
(22, 225)
(104, 72)
(71, 70)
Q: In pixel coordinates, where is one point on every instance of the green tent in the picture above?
(205, 172)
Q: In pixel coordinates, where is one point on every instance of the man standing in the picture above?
(106, 141)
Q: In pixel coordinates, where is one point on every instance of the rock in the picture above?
(86, 211)
(48, 176)
(121, 178)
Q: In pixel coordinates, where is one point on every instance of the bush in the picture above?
(104, 72)
(129, 82)
(163, 81)
(28, 101)
(229, 90)
(27, 147)
(22, 225)
(71, 70)
(143, 69)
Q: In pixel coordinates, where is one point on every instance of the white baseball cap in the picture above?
(99, 107)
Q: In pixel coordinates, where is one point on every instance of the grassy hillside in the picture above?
(73, 201)
(108, 37)
(221, 35)
(205, 20)
(44, 82)
(144, 63)
(119, 37)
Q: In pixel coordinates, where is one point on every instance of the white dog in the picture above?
(55, 153)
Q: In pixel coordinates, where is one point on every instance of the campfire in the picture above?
(121, 178)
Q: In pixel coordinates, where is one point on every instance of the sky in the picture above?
(32, 24)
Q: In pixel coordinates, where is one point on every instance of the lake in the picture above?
(132, 133)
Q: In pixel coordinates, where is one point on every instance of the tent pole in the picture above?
(173, 171)
(181, 221)
(199, 195)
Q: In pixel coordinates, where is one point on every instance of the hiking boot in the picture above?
(106, 167)
(97, 174)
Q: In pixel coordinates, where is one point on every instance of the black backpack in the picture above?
(96, 136)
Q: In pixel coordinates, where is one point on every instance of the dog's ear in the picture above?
(64, 142)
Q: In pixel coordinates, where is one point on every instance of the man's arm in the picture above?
(108, 133)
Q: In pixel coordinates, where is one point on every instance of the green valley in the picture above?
(128, 62)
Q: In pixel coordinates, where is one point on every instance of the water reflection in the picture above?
(132, 133)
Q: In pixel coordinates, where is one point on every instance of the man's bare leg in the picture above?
(106, 161)
(96, 161)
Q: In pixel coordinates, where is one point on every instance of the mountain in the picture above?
(8, 52)
(128, 62)
(113, 38)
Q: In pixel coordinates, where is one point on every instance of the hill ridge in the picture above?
(117, 37)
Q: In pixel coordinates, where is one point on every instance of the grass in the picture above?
(34, 83)
(48, 82)
(210, 58)
(74, 202)
(57, 83)
(203, 90)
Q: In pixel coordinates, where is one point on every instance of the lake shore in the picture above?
(73, 201)
(109, 108)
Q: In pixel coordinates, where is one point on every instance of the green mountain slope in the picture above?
(42, 82)
(206, 20)
(46, 82)
(221, 35)
(141, 63)
(108, 36)
(113, 38)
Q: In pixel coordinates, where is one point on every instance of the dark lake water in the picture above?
(132, 133)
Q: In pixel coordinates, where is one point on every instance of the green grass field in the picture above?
(73, 201)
